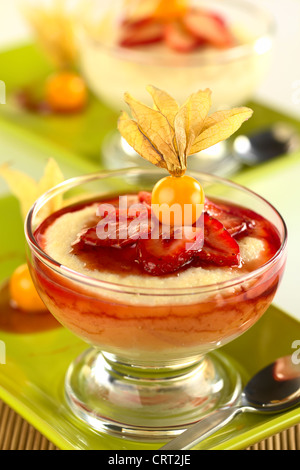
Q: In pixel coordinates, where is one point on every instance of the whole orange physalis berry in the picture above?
(170, 9)
(23, 292)
(178, 200)
(66, 92)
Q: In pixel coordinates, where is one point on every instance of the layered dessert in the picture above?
(130, 289)
(237, 242)
(178, 45)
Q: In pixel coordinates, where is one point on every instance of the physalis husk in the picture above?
(168, 133)
(27, 190)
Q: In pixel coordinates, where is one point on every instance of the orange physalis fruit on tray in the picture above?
(66, 92)
(23, 293)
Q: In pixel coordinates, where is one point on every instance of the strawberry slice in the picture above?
(141, 32)
(161, 256)
(218, 18)
(219, 248)
(145, 197)
(234, 223)
(178, 38)
(208, 27)
(118, 229)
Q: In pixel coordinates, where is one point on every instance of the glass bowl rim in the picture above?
(137, 289)
(216, 56)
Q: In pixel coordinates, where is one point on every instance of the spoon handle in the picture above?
(201, 430)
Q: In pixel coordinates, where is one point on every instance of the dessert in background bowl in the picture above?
(115, 58)
(155, 308)
(221, 45)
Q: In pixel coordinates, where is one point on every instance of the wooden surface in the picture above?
(18, 434)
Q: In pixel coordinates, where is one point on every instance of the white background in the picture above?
(280, 89)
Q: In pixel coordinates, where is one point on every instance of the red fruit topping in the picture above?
(163, 256)
(235, 224)
(185, 32)
(117, 229)
(141, 32)
(178, 38)
(219, 248)
(161, 253)
(208, 27)
(145, 197)
(218, 18)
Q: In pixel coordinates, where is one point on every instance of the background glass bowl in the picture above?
(151, 370)
(233, 74)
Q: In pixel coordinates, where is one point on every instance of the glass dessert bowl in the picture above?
(152, 368)
(111, 65)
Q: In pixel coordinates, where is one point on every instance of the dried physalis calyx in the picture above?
(167, 134)
(27, 190)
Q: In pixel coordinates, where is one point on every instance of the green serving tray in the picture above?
(31, 380)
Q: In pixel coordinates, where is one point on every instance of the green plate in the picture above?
(31, 380)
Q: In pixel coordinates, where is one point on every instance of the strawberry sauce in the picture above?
(224, 226)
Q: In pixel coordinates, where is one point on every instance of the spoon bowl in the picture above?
(273, 389)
